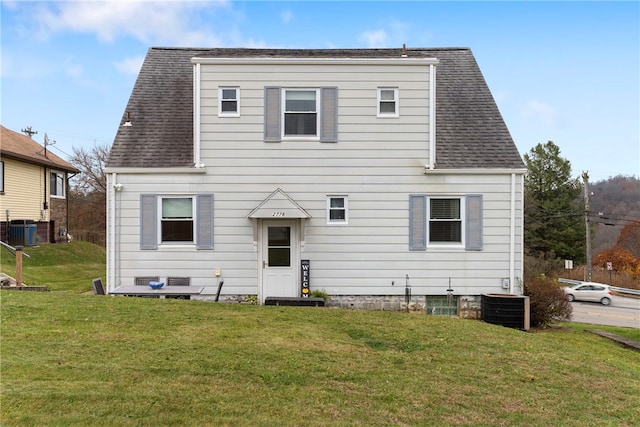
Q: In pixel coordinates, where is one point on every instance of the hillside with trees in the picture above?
(615, 203)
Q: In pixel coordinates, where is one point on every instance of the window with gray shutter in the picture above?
(272, 132)
(174, 224)
(148, 221)
(417, 222)
(474, 222)
(300, 115)
(437, 221)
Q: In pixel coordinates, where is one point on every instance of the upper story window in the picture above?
(300, 112)
(309, 114)
(337, 210)
(229, 101)
(388, 102)
(57, 184)
(176, 221)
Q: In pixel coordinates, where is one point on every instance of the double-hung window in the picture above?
(301, 112)
(388, 102)
(445, 222)
(176, 221)
(229, 101)
(180, 219)
(337, 210)
(1, 176)
(57, 184)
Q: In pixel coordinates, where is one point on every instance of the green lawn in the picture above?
(85, 360)
(61, 267)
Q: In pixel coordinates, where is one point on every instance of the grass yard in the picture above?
(60, 266)
(85, 360)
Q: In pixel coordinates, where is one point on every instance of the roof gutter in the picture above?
(318, 61)
(477, 171)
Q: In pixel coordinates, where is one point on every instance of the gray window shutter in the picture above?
(474, 222)
(417, 222)
(204, 221)
(272, 116)
(329, 114)
(148, 221)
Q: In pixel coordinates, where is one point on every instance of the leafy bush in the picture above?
(317, 293)
(547, 300)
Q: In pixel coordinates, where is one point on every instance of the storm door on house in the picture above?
(278, 223)
(280, 258)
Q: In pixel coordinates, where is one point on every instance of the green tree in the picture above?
(554, 221)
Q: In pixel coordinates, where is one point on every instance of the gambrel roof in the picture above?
(470, 131)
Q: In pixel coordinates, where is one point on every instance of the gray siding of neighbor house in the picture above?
(378, 163)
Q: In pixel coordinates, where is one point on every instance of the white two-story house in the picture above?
(359, 172)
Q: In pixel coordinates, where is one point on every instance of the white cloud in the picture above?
(395, 34)
(541, 112)
(130, 65)
(150, 22)
(75, 71)
(286, 16)
(378, 38)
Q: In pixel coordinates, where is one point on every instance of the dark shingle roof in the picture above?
(470, 131)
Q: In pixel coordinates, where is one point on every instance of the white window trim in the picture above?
(228, 113)
(463, 223)
(1, 176)
(396, 96)
(283, 100)
(64, 184)
(194, 220)
(346, 209)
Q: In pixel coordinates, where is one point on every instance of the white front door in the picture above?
(280, 258)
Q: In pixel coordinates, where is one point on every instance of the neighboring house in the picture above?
(34, 207)
(376, 168)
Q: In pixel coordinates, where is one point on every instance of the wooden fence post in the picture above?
(19, 265)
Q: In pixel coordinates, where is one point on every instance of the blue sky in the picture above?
(568, 72)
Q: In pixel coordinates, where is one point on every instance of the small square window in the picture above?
(388, 102)
(337, 210)
(229, 101)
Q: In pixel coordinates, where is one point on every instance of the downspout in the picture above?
(111, 255)
(44, 195)
(196, 115)
(432, 117)
(512, 236)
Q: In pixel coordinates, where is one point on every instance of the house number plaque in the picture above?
(277, 214)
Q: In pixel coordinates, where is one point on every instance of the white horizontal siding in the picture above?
(365, 255)
(377, 163)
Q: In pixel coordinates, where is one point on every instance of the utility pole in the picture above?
(585, 179)
(29, 132)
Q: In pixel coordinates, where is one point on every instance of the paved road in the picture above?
(621, 312)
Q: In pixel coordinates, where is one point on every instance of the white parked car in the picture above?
(589, 291)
